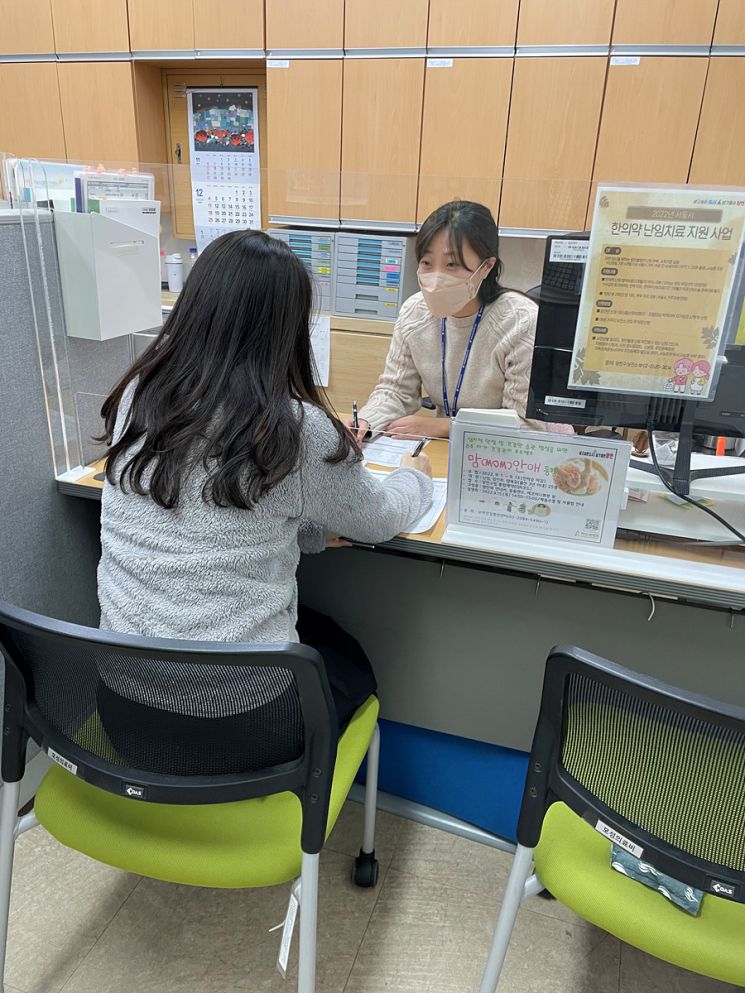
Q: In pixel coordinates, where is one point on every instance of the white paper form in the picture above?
(320, 342)
(387, 451)
(430, 517)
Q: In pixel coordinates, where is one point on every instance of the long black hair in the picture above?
(219, 384)
(465, 220)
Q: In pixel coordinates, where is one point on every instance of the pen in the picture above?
(411, 437)
(418, 448)
(355, 420)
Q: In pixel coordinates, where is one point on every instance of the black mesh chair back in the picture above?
(170, 721)
(646, 764)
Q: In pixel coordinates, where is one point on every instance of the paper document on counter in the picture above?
(430, 517)
(387, 451)
(320, 343)
(439, 499)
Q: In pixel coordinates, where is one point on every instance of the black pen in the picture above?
(355, 419)
(419, 447)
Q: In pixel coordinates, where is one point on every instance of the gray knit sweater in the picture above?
(222, 574)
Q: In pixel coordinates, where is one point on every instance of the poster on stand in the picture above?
(225, 165)
(534, 483)
(653, 317)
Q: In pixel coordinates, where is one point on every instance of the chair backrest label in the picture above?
(133, 791)
(722, 889)
(61, 760)
(619, 839)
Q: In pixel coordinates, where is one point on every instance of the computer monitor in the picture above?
(550, 399)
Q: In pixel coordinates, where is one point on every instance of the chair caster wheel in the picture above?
(365, 872)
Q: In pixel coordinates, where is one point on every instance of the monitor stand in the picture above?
(681, 476)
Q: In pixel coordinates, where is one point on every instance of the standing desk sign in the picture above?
(553, 486)
(224, 151)
(660, 274)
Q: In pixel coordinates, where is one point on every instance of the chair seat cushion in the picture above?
(572, 861)
(233, 845)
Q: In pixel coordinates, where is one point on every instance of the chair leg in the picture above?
(306, 982)
(366, 868)
(371, 792)
(9, 796)
(513, 896)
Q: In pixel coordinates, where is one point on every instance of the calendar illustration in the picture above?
(225, 165)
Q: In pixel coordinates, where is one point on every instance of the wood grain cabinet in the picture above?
(229, 26)
(719, 155)
(551, 140)
(161, 25)
(480, 24)
(87, 27)
(304, 101)
(470, 167)
(650, 116)
(357, 360)
(385, 24)
(729, 31)
(664, 22)
(289, 28)
(131, 138)
(26, 28)
(46, 139)
(565, 22)
(381, 139)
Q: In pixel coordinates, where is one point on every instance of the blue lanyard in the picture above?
(445, 402)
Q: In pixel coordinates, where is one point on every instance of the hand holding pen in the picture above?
(358, 428)
(418, 460)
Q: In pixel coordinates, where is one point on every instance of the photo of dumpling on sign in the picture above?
(580, 477)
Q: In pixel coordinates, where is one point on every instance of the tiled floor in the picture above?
(81, 927)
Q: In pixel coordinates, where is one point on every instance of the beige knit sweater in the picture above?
(498, 370)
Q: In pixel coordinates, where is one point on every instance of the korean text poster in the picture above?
(530, 482)
(660, 273)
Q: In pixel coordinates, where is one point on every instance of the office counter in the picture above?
(458, 638)
(711, 576)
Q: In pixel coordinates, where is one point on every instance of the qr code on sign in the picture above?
(592, 524)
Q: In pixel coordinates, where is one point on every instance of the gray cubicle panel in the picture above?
(95, 367)
(51, 389)
(48, 544)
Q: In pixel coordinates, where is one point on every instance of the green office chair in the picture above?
(621, 756)
(141, 784)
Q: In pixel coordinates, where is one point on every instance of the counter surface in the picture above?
(713, 576)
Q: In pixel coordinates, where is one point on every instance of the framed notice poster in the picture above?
(225, 167)
(656, 296)
(534, 483)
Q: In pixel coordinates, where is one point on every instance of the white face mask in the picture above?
(446, 295)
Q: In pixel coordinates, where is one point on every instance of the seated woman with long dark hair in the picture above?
(224, 464)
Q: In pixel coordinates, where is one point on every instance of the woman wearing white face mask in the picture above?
(464, 340)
